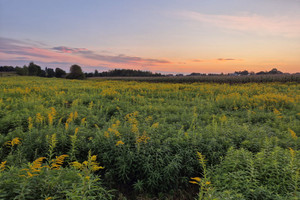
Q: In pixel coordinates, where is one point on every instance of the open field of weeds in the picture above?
(94, 139)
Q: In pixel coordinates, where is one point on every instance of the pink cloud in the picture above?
(215, 60)
(14, 49)
(278, 25)
(64, 49)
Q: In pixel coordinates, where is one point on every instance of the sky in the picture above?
(166, 36)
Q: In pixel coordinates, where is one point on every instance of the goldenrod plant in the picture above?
(146, 135)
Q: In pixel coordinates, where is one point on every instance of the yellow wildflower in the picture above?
(58, 162)
(66, 126)
(50, 119)
(292, 151)
(70, 119)
(120, 142)
(30, 124)
(2, 166)
(143, 139)
(198, 179)
(75, 115)
(88, 165)
(53, 111)
(13, 142)
(39, 118)
(293, 134)
(76, 130)
(82, 121)
(77, 165)
(106, 134)
(34, 167)
(155, 125)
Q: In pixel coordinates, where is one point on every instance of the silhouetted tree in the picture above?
(43, 73)
(50, 72)
(127, 72)
(34, 70)
(59, 73)
(96, 73)
(245, 72)
(261, 73)
(7, 69)
(22, 71)
(274, 71)
(75, 72)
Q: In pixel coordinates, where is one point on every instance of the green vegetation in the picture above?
(212, 79)
(95, 139)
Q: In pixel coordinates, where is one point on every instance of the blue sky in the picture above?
(166, 36)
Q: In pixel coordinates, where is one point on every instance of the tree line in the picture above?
(76, 72)
(34, 70)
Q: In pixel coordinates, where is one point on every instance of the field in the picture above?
(110, 139)
(6, 74)
(283, 78)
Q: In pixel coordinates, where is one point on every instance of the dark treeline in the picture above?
(123, 72)
(34, 70)
(76, 72)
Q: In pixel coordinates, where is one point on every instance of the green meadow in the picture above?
(114, 139)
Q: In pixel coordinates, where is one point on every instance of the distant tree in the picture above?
(34, 70)
(26, 71)
(59, 73)
(50, 72)
(7, 69)
(96, 73)
(75, 72)
(274, 71)
(128, 72)
(91, 74)
(22, 71)
(244, 73)
(261, 73)
(42, 73)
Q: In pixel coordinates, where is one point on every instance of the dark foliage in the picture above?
(75, 73)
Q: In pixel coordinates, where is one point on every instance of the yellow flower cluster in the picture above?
(131, 118)
(293, 134)
(13, 142)
(2, 166)
(34, 167)
(120, 142)
(30, 123)
(143, 138)
(39, 119)
(51, 116)
(113, 130)
(58, 162)
(82, 123)
(90, 165)
(109, 92)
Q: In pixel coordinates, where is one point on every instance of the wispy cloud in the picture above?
(69, 50)
(11, 49)
(121, 58)
(215, 60)
(277, 25)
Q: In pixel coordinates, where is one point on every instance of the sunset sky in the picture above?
(169, 36)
